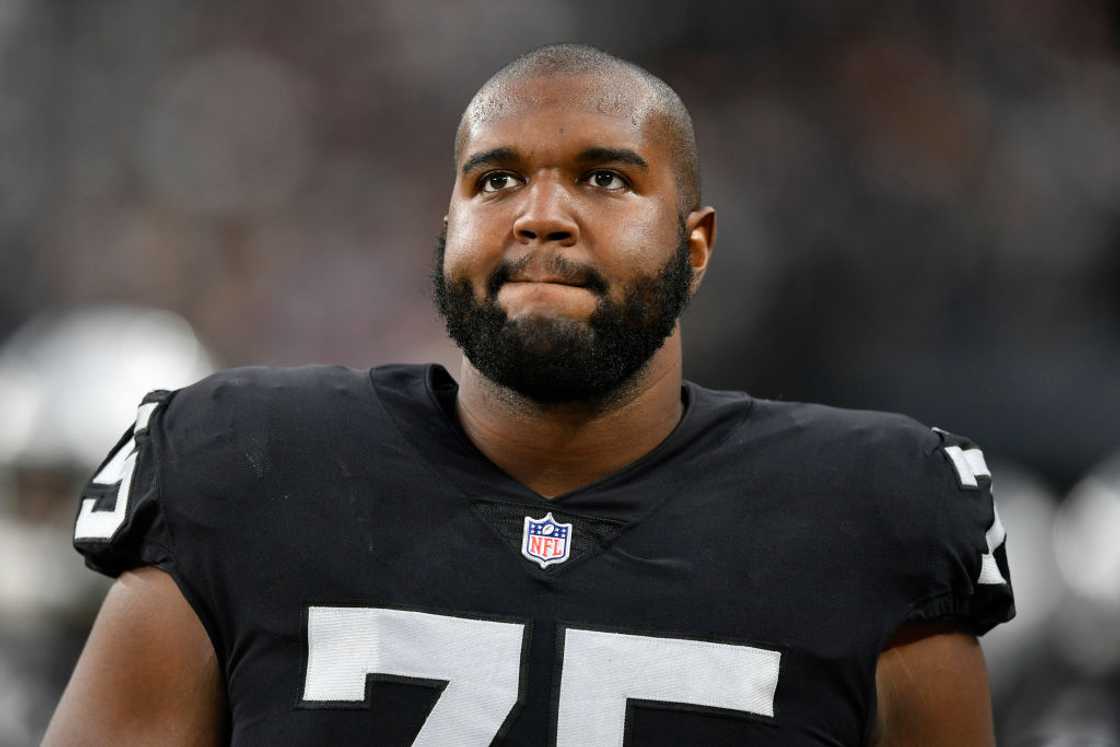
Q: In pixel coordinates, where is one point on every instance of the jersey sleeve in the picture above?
(175, 491)
(964, 576)
(120, 523)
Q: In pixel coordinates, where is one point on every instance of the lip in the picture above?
(548, 280)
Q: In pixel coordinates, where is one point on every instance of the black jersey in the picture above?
(367, 576)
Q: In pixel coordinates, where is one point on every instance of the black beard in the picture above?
(556, 361)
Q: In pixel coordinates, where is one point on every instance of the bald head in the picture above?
(623, 87)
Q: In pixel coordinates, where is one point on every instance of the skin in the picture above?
(932, 689)
(149, 675)
(620, 218)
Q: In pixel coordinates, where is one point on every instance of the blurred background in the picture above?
(919, 210)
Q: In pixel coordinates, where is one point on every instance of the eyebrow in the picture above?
(616, 155)
(492, 156)
(596, 154)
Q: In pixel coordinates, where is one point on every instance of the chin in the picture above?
(541, 333)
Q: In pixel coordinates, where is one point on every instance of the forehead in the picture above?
(613, 109)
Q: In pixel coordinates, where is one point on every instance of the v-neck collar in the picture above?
(420, 401)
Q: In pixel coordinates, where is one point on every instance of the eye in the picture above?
(607, 180)
(497, 181)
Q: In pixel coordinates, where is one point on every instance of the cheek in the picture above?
(473, 249)
(640, 243)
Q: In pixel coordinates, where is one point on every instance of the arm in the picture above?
(147, 675)
(933, 690)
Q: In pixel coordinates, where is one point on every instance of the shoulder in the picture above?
(910, 474)
(915, 500)
(879, 450)
(245, 402)
(825, 423)
(223, 434)
(821, 447)
(242, 422)
(213, 447)
(237, 391)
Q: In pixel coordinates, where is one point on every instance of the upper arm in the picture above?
(950, 570)
(932, 689)
(148, 673)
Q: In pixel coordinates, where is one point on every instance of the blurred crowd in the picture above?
(919, 210)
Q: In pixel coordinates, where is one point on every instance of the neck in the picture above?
(557, 448)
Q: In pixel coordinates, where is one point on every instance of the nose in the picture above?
(546, 215)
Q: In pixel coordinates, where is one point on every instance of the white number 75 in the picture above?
(481, 662)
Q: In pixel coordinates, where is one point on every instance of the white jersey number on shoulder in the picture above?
(94, 524)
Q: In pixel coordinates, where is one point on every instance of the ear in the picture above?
(700, 228)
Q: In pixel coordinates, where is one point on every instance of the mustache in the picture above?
(565, 269)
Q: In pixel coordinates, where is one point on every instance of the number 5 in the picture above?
(116, 477)
(481, 662)
(604, 670)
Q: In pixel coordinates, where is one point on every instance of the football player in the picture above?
(568, 545)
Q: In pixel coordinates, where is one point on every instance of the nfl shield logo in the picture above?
(546, 541)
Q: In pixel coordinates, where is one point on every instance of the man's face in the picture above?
(564, 263)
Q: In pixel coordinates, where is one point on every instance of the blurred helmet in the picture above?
(69, 386)
(70, 382)
(1088, 554)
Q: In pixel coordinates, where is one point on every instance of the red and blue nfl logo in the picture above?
(546, 541)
